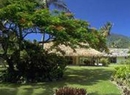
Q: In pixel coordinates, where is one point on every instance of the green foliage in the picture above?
(97, 40)
(14, 11)
(106, 29)
(60, 26)
(35, 65)
(122, 72)
(122, 78)
(105, 61)
(70, 91)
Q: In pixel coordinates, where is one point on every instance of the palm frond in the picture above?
(106, 29)
(61, 5)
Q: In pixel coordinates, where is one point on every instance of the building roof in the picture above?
(118, 52)
(89, 52)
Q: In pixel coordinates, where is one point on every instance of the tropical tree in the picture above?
(97, 40)
(19, 18)
(106, 29)
(57, 3)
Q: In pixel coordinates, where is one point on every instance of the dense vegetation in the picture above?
(118, 41)
(122, 78)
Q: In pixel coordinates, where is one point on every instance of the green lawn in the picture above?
(96, 80)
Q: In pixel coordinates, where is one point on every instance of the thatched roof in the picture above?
(68, 51)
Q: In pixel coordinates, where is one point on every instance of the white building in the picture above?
(118, 55)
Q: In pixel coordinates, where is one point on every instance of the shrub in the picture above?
(122, 77)
(105, 61)
(70, 91)
(35, 65)
(122, 72)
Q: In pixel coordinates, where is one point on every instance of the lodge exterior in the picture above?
(78, 55)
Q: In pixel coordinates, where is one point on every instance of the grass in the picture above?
(96, 80)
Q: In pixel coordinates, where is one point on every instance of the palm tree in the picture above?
(57, 3)
(106, 29)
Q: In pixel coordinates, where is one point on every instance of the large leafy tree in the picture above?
(19, 18)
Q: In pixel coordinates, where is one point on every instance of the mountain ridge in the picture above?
(118, 41)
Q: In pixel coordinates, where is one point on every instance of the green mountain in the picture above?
(118, 41)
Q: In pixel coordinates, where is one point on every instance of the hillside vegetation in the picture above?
(118, 41)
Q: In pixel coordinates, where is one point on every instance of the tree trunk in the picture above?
(10, 63)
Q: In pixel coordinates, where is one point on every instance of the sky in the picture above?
(98, 12)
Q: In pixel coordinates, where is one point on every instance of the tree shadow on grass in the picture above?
(16, 89)
(86, 76)
(95, 93)
(112, 94)
(6, 91)
(83, 76)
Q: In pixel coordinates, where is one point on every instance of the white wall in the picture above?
(121, 59)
